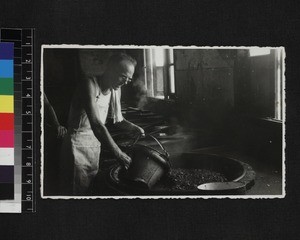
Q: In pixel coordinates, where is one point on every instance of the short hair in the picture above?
(119, 57)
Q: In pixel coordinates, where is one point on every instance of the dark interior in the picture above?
(224, 101)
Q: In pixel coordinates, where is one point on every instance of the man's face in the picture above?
(122, 74)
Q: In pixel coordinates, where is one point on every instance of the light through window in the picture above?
(159, 72)
(259, 52)
(279, 75)
(159, 57)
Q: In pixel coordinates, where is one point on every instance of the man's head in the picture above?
(120, 69)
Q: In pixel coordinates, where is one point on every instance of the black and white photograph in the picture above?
(169, 122)
(165, 120)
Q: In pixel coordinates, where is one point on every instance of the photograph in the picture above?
(162, 122)
(149, 120)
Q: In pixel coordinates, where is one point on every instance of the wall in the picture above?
(223, 93)
(61, 73)
(212, 83)
(254, 79)
(204, 86)
(254, 93)
(204, 93)
(204, 76)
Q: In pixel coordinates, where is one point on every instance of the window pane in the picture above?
(172, 79)
(150, 79)
(159, 57)
(145, 68)
(259, 51)
(278, 85)
(171, 56)
(159, 86)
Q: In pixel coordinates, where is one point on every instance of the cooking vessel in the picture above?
(148, 164)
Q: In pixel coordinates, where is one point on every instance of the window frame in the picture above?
(151, 73)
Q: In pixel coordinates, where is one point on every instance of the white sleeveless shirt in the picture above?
(78, 120)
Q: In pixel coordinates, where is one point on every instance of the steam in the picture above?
(141, 93)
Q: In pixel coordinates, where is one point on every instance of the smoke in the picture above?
(140, 93)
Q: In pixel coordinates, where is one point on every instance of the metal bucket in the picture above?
(148, 165)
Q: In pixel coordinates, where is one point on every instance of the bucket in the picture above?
(148, 165)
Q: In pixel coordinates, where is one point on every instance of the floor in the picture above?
(268, 181)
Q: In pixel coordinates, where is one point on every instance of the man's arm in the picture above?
(99, 129)
(49, 111)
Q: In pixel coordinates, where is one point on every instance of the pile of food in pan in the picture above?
(188, 179)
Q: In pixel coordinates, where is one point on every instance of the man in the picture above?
(86, 125)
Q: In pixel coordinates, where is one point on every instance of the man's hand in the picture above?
(136, 131)
(61, 131)
(123, 158)
(132, 129)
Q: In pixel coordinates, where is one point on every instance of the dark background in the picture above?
(201, 23)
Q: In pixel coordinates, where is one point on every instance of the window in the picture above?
(171, 71)
(259, 51)
(266, 83)
(159, 72)
(279, 75)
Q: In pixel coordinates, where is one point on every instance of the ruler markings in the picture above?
(27, 135)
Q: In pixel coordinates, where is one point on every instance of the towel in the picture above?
(115, 105)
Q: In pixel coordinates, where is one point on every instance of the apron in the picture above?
(81, 149)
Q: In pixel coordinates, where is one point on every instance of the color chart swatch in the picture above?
(6, 121)
(17, 165)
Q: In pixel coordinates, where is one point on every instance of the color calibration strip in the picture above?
(6, 121)
(24, 199)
